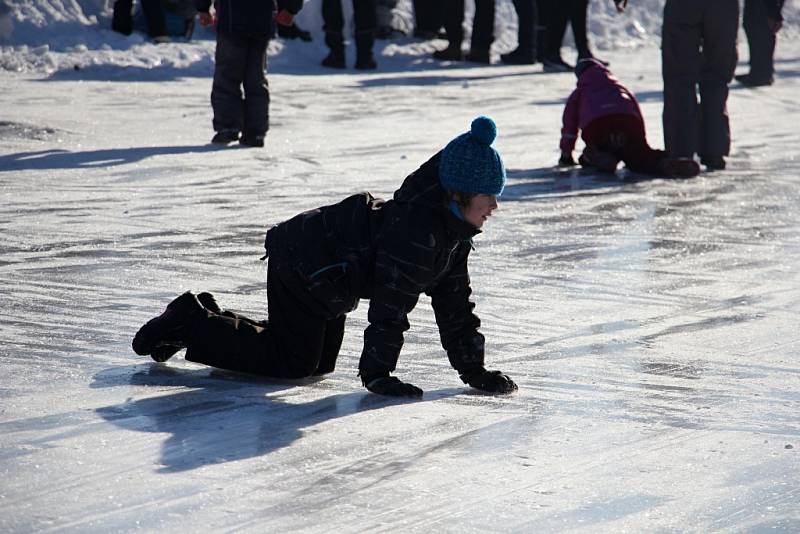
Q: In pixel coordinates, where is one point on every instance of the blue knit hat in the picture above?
(469, 164)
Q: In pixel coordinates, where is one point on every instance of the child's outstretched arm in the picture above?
(569, 128)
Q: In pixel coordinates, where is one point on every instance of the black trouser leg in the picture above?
(558, 15)
(122, 20)
(483, 26)
(577, 20)
(156, 25)
(760, 39)
(365, 20)
(428, 15)
(292, 343)
(719, 64)
(229, 73)
(333, 25)
(256, 88)
(527, 23)
(454, 22)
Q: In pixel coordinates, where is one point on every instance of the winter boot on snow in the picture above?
(451, 53)
(162, 352)
(335, 58)
(598, 159)
(364, 58)
(171, 327)
(680, 167)
(252, 140)
(224, 137)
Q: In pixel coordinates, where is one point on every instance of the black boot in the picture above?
(171, 327)
(335, 58)
(364, 58)
(451, 53)
(162, 353)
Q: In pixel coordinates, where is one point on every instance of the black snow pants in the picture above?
(241, 61)
(482, 24)
(365, 20)
(527, 24)
(428, 15)
(559, 14)
(760, 39)
(122, 20)
(698, 50)
(294, 342)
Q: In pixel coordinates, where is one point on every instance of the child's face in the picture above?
(479, 209)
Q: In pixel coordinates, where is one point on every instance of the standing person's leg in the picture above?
(226, 94)
(577, 19)
(761, 43)
(384, 18)
(122, 20)
(558, 15)
(290, 345)
(365, 19)
(681, 63)
(482, 32)
(542, 16)
(256, 93)
(156, 25)
(427, 18)
(525, 53)
(333, 26)
(720, 27)
(454, 27)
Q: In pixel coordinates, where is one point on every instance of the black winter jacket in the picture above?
(387, 252)
(248, 17)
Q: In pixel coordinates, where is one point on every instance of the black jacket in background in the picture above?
(388, 252)
(248, 17)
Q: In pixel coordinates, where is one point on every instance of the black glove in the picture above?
(392, 387)
(491, 381)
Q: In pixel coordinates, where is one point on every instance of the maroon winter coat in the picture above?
(598, 94)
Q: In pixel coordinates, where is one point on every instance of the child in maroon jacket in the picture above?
(612, 128)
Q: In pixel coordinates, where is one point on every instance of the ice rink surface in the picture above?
(651, 324)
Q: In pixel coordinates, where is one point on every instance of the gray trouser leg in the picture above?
(226, 92)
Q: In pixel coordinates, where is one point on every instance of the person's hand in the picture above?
(284, 18)
(775, 25)
(391, 386)
(490, 381)
(205, 19)
(566, 160)
(621, 5)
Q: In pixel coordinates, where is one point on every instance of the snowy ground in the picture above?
(650, 324)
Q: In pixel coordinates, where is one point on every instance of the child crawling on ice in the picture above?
(323, 261)
(612, 127)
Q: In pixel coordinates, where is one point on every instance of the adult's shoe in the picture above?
(713, 163)
(518, 57)
(451, 53)
(365, 62)
(479, 56)
(171, 327)
(680, 167)
(748, 80)
(591, 56)
(334, 60)
(556, 64)
(252, 140)
(163, 352)
(293, 32)
(223, 137)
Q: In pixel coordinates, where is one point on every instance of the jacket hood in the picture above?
(423, 188)
(596, 75)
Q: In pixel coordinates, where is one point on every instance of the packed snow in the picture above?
(651, 324)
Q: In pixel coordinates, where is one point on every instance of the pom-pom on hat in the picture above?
(469, 164)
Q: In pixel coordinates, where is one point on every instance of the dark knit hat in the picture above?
(469, 164)
(586, 63)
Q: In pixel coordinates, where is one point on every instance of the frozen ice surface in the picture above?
(652, 325)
